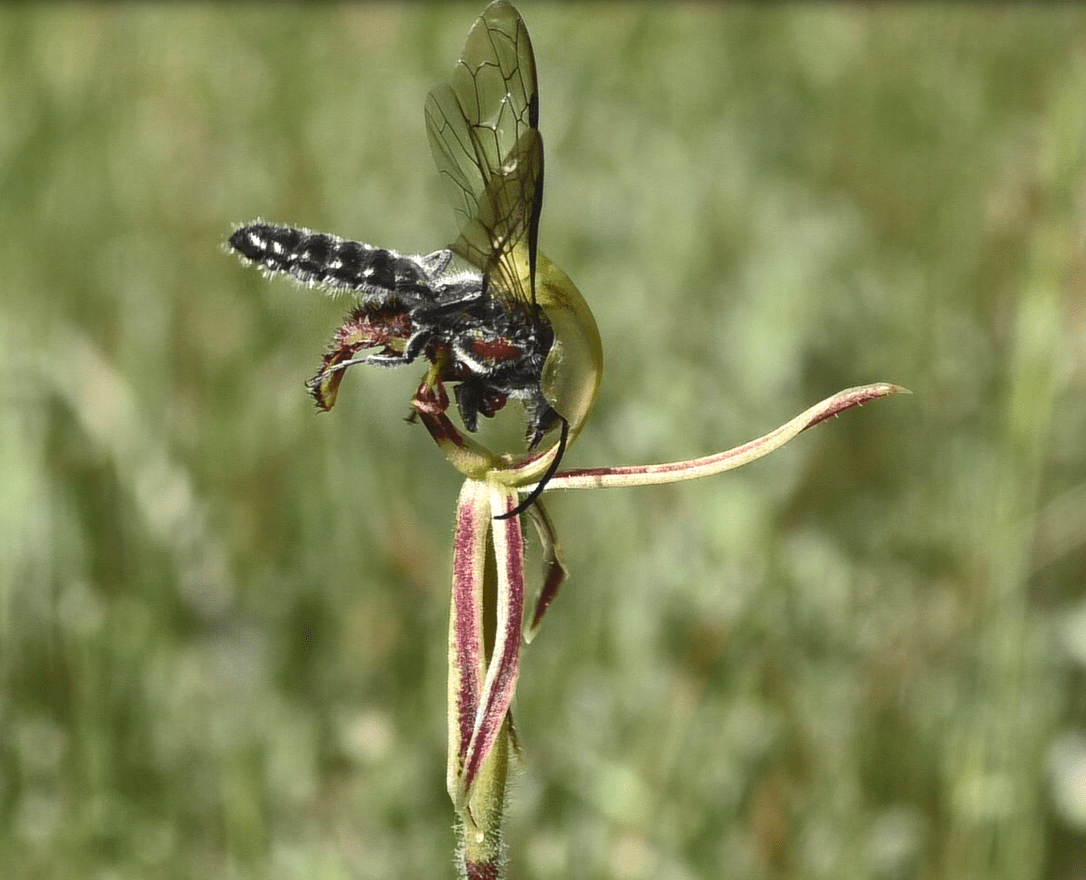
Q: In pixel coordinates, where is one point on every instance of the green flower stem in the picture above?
(482, 854)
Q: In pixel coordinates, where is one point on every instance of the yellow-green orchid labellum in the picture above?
(574, 366)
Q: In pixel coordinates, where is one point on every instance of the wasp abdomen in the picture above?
(316, 258)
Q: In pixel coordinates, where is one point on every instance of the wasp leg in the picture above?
(416, 343)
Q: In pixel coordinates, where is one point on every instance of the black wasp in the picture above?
(482, 330)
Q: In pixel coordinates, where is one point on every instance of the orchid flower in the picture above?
(512, 327)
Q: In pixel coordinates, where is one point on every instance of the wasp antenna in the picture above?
(542, 484)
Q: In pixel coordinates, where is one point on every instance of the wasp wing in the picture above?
(483, 130)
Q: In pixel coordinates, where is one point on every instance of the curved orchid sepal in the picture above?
(467, 651)
(482, 677)
(554, 572)
(627, 476)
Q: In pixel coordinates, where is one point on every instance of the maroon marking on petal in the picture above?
(667, 468)
(674, 471)
(504, 665)
(467, 614)
(554, 572)
(858, 397)
(431, 403)
(556, 576)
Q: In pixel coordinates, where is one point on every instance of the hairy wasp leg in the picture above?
(377, 360)
(416, 343)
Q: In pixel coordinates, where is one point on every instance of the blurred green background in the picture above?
(223, 617)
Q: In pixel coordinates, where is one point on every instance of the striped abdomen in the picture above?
(318, 259)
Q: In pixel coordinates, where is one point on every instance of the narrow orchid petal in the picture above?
(467, 651)
(554, 572)
(676, 471)
(504, 667)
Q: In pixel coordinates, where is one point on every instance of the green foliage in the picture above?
(222, 617)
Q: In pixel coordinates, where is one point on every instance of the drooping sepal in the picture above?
(554, 571)
(467, 649)
(503, 664)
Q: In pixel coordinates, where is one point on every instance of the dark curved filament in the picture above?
(546, 478)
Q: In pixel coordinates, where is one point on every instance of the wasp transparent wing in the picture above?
(484, 135)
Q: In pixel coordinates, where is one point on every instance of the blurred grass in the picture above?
(222, 618)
